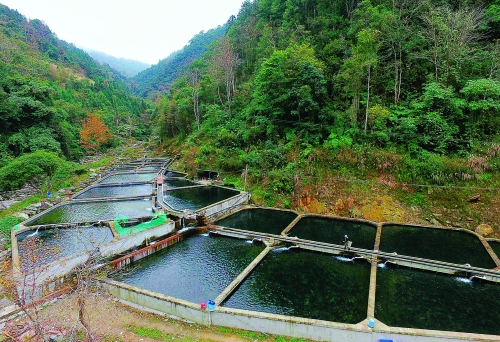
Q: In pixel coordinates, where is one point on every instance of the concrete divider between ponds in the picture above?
(241, 277)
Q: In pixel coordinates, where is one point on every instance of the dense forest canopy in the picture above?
(47, 87)
(422, 75)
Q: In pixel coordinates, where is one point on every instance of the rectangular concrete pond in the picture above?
(125, 190)
(77, 212)
(259, 220)
(452, 246)
(170, 173)
(197, 197)
(37, 248)
(178, 182)
(129, 177)
(306, 284)
(197, 269)
(425, 300)
(332, 230)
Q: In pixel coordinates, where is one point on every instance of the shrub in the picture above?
(33, 166)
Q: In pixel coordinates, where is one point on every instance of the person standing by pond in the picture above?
(346, 242)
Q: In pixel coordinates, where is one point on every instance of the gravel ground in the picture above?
(111, 320)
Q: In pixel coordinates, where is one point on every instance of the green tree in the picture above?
(483, 104)
(290, 87)
(31, 168)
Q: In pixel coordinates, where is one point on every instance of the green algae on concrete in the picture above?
(425, 300)
(306, 284)
(157, 220)
(446, 245)
(259, 220)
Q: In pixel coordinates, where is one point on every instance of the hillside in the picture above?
(386, 110)
(126, 67)
(158, 78)
(48, 86)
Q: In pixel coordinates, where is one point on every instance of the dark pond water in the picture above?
(197, 269)
(426, 300)
(438, 244)
(495, 245)
(123, 169)
(149, 168)
(47, 245)
(95, 211)
(259, 220)
(306, 284)
(174, 174)
(117, 191)
(332, 230)
(178, 183)
(129, 177)
(197, 197)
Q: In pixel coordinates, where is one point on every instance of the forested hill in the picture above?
(47, 87)
(126, 67)
(306, 91)
(423, 75)
(158, 78)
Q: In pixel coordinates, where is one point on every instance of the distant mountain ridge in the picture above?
(158, 78)
(127, 67)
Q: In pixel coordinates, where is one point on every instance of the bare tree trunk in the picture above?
(194, 80)
(81, 317)
(368, 97)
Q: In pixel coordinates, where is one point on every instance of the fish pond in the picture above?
(131, 190)
(426, 300)
(77, 212)
(306, 284)
(259, 220)
(129, 177)
(197, 269)
(196, 198)
(332, 230)
(37, 248)
(446, 245)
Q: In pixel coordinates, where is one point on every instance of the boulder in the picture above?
(485, 230)
(22, 215)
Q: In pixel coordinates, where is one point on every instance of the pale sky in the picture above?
(143, 30)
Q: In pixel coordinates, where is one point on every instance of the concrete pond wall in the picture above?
(279, 324)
